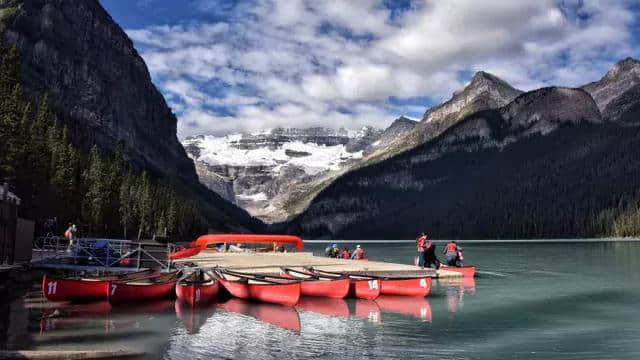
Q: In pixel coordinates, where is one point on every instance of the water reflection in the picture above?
(324, 306)
(193, 317)
(368, 310)
(455, 290)
(278, 315)
(418, 308)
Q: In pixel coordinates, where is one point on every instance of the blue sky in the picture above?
(229, 65)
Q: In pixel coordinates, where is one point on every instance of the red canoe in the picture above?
(155, 288)
(364, 287)
(207, 241)
(360, 287)
(272, 290)
(195, 290)
(184, 253)
(312, 285)
(83, 289)
(466, 271)
(418, 287)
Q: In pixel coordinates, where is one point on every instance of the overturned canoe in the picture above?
(153, 288)
(83, 289)
(195, 289)
(184, 253)
(316, 285)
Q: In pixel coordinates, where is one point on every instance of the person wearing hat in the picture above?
(358, 253)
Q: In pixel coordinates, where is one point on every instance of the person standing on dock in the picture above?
(421, 241)
(70, 235)
(430, 257)
(451, 253)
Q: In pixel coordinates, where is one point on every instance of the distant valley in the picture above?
(269, 173)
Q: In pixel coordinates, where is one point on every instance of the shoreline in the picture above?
(496, 241)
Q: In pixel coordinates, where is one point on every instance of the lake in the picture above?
(560, 300)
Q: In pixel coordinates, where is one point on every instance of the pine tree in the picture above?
(96, 198)
(144, 205)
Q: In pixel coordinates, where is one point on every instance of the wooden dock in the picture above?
(270, 263)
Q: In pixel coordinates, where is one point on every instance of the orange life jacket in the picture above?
(67, 234)
(421, 242)
(451, 247)
(359, 254)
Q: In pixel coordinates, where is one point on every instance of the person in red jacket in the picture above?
(345, 254)
(421, 242)
(451, 253)
(358, 253)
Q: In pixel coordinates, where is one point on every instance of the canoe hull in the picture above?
(236, 288)
(364, 289)
(284, 294)
(185, 253)
(466, 271)
(59, 289)
(337, 289)
(197, 293)
(418, 287)
(120, 292)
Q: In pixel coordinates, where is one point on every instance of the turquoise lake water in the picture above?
(564, 300)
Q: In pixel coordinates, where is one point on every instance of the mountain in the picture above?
(263, 171)
(398, 128)
(484, 91)
(544, 165)
(617, 89)
(100, 89)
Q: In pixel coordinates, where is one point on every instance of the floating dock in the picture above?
(269, 263)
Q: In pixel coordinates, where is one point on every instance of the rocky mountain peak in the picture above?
(402, 122)
(481, 78)
(622, 76)
(484, 91)
(628, 64)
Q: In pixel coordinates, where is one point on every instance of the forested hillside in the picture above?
(98, 190)
(580, 180)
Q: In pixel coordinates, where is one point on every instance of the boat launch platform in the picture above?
(270, 262)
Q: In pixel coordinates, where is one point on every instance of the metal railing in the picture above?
(109, 254)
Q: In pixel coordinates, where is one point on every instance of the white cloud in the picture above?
(303, 62)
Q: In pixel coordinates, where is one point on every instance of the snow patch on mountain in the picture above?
(312, 157)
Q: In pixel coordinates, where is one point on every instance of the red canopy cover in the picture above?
(203, 241)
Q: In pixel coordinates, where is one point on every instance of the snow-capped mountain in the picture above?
(262, 171)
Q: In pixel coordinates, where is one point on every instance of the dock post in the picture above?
(139, 253)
